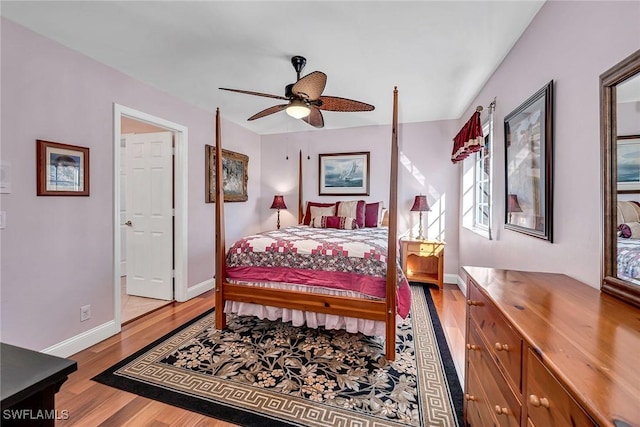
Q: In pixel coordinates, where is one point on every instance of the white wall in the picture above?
(571, 43)
(57, 252)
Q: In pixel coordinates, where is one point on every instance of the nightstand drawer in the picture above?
(423, 248)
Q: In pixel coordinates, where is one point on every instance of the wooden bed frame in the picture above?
(380, 310)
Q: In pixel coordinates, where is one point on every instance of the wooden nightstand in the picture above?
(423, 261)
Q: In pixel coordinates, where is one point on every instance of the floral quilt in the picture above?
(354, 260)
(629, 258)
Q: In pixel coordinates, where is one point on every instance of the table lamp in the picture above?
(420, 205)
(278, 203)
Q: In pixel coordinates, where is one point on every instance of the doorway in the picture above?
(150, 213)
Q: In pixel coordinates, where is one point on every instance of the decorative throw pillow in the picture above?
(352, 209)
(373, 214)
(307, 215)
(629, 230)
(317, 211)
(339, 222)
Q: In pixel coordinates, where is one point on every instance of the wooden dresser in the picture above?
(545, 350)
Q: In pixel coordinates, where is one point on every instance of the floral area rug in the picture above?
(265, 373)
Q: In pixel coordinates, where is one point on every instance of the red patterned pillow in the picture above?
(307, 215)
(352, 209)
(339, 222)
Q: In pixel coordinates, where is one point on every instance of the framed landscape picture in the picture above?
(343, 173)
(628, 161)
(62, 169)
(234, 175)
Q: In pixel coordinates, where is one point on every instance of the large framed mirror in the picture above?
(620, 140)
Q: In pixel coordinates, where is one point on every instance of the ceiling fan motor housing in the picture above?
(298, 63)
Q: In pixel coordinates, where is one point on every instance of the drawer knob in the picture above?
(501, 411)
(538, 401)
(470, 397)
(501, 347)
(473, 347)
(472, 302)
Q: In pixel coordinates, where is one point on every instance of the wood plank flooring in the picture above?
(92, 404)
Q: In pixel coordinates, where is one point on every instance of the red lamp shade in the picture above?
(513, 205)
(420, 204)
(278, 203)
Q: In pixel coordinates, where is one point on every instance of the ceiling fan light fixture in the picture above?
(298, 109)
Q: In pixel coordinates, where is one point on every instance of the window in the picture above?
(476, 183)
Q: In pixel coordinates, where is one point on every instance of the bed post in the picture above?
(300, 207)
(392, 264)
(220, 261)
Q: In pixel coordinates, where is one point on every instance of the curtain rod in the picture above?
(492, 106)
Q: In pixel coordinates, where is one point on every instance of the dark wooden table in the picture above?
(29, 381)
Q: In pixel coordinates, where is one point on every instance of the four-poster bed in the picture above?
(383, 309)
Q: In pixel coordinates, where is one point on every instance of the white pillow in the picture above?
(381, 218)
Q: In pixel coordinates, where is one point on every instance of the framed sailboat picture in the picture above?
(343, 173)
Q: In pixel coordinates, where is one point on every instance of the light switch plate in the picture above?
(3, 220)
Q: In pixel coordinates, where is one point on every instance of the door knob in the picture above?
(129, 223)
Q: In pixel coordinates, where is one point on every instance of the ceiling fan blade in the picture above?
(268, 111)
(314, 118)
(335, 103)
(248, 92)
(310, 86)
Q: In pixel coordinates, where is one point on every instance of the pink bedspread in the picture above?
(353, 260)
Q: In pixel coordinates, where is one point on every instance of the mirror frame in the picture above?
(620, 72)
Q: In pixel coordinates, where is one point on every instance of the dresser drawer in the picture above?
(500, 399)
(477, 409)
(503, 341)
(548, 403)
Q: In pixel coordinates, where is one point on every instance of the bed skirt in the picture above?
(311, 319)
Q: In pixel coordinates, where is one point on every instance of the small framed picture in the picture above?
(62, 169)
(343, 173)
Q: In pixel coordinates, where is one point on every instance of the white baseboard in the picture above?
(200, 288)
(84, 340)
(462, 285)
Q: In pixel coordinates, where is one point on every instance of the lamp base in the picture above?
(420, 235)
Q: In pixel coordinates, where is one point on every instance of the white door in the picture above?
(123, 206)
(149, 219)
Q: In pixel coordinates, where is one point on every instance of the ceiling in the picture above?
(438, 54)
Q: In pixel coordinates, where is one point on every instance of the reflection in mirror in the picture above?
(620, 134)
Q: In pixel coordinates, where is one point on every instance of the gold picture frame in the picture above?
(235, 175)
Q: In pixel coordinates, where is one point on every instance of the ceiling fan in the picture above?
(305, 98)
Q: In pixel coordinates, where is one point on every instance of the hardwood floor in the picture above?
(93, 404)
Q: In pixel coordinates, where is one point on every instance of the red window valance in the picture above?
(469, 140)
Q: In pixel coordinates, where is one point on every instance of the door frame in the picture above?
(180, 201)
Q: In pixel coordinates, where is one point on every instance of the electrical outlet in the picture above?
(85, 313)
